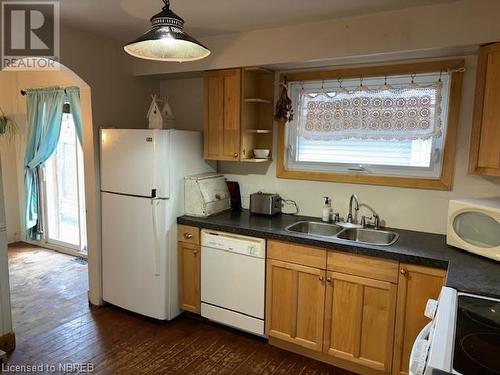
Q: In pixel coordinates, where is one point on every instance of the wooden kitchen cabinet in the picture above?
(295, 303)
(359, 320)
(222, 114)
(189, 258)
(485, 145)
(238, 110)
(416, 285)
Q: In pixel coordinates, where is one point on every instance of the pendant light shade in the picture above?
(167, 41)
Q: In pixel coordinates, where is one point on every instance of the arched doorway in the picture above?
(63, 77)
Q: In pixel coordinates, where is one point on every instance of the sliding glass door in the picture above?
(63, 196)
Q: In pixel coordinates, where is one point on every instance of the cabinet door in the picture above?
(485, 148)
(222, 114)
(416, 285)
(295, 297)
(359, 320)
(189, 277)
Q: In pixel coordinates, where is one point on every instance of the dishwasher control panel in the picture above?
(255, 247)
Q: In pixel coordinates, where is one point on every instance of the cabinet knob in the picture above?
(329, 279)
(188, 236)
(235, 155)
(403, 272)
(195, 252)
(321, 278)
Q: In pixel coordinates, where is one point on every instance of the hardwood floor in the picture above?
(55, 325)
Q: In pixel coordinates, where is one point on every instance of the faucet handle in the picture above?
(363, 221)
(373, 220)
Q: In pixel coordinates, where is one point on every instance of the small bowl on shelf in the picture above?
(261, 153)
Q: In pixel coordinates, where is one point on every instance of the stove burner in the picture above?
(477, 336)
(483, 350)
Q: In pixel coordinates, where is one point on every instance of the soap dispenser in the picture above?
(327, 210)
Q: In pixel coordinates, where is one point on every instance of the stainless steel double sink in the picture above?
(334, 231)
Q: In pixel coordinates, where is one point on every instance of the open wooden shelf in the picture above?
(256, 160)
(257, 116)
(239, 114)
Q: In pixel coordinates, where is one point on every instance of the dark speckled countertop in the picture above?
(466, 272)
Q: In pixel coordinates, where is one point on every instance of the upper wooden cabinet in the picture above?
(238, 113)
(222, 114)
(485, 145)
(416, 285)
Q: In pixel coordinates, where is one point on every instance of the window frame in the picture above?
(443, 182)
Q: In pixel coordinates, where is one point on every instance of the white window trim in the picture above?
(433, 172)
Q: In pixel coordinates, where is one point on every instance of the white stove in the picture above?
(463, 336)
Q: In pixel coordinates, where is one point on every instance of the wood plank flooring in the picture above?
(55, 325)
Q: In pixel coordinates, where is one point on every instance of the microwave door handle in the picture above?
(418, 360)
(156, 240)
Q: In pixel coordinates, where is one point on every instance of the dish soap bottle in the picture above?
(327, 210)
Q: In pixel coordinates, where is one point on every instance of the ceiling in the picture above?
(124, 20)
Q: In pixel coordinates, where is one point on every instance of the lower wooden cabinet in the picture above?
(359, 320)
(295, 303)
(359, 313)
(189, 276)
(416, 285)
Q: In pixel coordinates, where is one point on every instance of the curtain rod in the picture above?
(24, 93)
(415, 74)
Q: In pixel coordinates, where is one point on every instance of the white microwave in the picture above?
(474, 225)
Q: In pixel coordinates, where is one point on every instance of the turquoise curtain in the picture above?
(45, 111)
(73, 98)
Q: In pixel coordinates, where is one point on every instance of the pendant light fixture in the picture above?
(167, 41)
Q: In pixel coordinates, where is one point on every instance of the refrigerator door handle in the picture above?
(156, 240)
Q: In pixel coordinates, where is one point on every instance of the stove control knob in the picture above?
(430, 308)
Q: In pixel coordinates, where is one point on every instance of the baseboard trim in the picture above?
(8, 342)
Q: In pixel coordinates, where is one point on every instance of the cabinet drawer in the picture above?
(188, 234)
(298, 254)
(359, 265)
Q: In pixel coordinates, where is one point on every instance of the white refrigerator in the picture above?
(142, 193)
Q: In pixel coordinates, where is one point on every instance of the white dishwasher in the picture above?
(233, 271)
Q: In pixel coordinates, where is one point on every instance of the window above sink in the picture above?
(385, 125)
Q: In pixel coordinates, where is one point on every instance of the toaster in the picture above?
(265, 203)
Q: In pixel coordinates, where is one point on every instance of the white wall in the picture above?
(8, 157)
(186, 99)
(422, 210)
(119, 99)
(442, 26)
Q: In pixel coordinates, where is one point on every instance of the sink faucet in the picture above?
(354, 199)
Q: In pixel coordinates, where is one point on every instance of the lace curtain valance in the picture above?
(401, 113)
